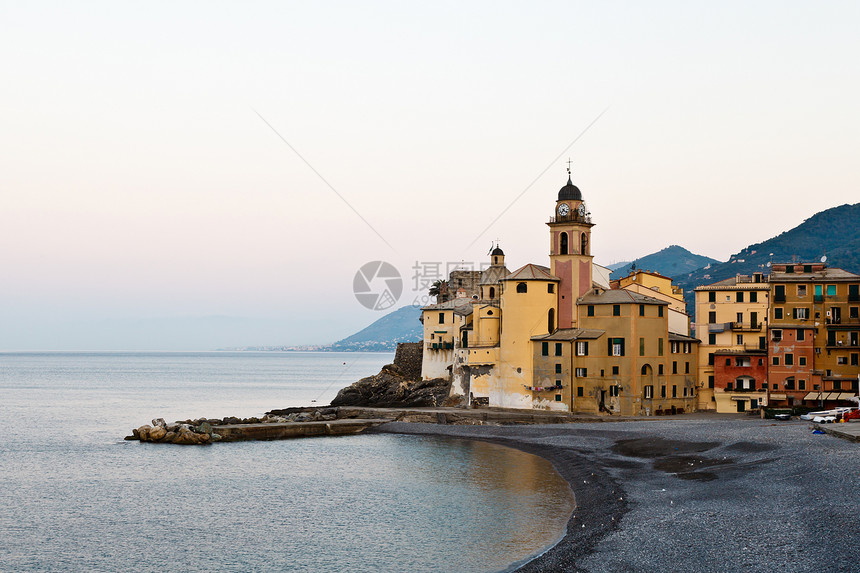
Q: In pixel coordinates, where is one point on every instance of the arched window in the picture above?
(646, 370)
(492, 292)
(563, 249)
(550, 320)
(521, 287)
(583, 242)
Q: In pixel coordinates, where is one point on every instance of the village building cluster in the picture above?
(566, 337)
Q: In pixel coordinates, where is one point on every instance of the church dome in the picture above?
(569, 192)
(498, 251)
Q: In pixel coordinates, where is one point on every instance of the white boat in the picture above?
(826, 413)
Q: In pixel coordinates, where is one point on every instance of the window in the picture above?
(615, 370)
(710, 358)
(558, 351)
(686, 368)
(801, 360)
(776, 335)
(441, 318)
(582, 348)
(739, 296)
(659, 347)
(550, 288)
(492, 292)
(558, 368)
(649, 392)
(740, 338)
(563, 249)
(614, 390)
(616, 347)
(550, 320)
(710, 381)
(753, 296)
(801, 290)
(853, 293)
(779, 293)
(660, 311)
(841, 360)
(641, 310)
(674, 391)
(641, 347)
(662, 391)
(712, 317)
(776, 360)
(728, 361)
(674, 367)
(685, 391)
(712, 338)
(580, 391)
(801, 313)
(522, 287)
(673, 347)
(544, 348)
(855, 359)
(831, 290)
(728, 385)
(789, 359)
(801, 335)
(558, 397)
(777, 312)
(660, 369)
(789, 383)
(801, 384)
(590, 310)
(712, 297)
(853, 312)
(616, 310)
(581, 373)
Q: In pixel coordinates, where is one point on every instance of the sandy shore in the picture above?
(704, 493)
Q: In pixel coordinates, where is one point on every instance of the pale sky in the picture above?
(138, 185)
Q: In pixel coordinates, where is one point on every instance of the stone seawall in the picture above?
(408, 357)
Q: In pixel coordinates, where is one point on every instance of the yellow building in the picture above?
(731, 322)
(560, 338)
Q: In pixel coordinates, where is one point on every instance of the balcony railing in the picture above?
(745, 326)
(718, 326)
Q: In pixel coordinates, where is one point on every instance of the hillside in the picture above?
(401, 325)
(834, 233)
(673, 261)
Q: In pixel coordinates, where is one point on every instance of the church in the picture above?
(565, 337)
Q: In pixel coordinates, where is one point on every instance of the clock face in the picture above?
(582, 210)
(563, 209)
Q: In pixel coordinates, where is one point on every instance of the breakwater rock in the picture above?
(392, 389)
(182, 433)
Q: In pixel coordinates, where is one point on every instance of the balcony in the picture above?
(745, 326)
(755, 347)
(718, 327)
(572, 217)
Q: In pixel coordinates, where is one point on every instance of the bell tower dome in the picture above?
(570, 250)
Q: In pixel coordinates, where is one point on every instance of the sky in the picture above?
(199, 175)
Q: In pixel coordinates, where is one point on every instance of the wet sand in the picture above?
(703, 493)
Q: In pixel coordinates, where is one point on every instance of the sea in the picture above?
(76, 496)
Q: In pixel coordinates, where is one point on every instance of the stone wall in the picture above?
(408, 359)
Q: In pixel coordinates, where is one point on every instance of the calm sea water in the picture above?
(76, 497)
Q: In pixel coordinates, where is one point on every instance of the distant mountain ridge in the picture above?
(672, 261)
(401, 325)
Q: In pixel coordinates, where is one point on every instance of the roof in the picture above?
(734, 284)
(492, 275)
(531, 272)
(498, 251)
(457, 304)
(675, 337)
(572, 334)
(569, 192)
(618, 296)
(828, 274)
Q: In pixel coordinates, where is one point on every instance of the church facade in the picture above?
(563, 337)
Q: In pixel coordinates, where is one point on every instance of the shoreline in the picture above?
(596, 495)
(706, 493)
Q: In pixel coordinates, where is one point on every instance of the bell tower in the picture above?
(570, 250)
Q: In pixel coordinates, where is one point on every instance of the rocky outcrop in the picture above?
(392, 388)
